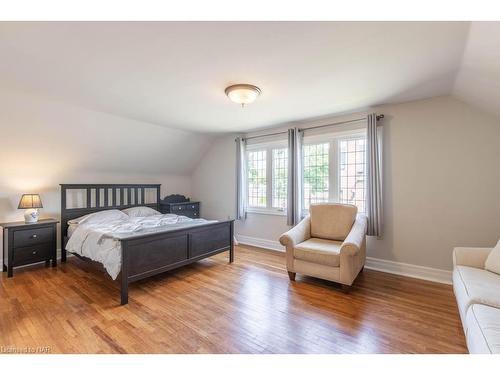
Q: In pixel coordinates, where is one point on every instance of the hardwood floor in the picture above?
(249, 306)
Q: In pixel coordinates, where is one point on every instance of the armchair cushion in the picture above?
(332, 221)
(317, 250)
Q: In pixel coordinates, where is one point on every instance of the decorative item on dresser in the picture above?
(180, 205)
(28, 243)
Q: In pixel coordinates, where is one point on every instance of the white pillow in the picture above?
(141, 211)
(493, 261)
(100, 217)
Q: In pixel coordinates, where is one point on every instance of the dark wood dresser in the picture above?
(29, 243)
(180, 205)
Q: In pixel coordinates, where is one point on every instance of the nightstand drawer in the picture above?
(32, 236)
(31, 254)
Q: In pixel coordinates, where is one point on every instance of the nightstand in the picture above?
(29, 243)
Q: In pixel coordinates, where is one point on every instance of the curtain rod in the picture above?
(379, 117)
(265, 135)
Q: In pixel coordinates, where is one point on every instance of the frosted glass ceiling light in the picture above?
(242, 93)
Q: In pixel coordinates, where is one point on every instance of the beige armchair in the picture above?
(329, 244)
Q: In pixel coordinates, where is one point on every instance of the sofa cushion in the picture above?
(493, 261)
(317, 250)
(332, 221)
(483, 329)
(474, 285)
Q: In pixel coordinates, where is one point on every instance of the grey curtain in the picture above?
(374, 174)
(294, 204)
(290, 205)
(241, 196)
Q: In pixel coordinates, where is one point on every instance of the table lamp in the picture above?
(30, 202)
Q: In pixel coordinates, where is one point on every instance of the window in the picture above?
(316, 173)
(257, 176)
(280, 176)
(352, 172)
(334, 169)
(267, 170)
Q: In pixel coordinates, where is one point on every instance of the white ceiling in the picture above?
(174, 73)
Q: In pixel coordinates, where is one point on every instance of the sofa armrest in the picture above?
(354, 240)
(470, 256)
(299, 233)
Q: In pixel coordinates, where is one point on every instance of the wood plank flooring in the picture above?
(249, 306)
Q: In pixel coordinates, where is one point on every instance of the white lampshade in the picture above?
(242, 93)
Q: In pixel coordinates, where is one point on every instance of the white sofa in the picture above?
(478, 297)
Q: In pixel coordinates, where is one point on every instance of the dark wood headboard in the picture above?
(100, 197)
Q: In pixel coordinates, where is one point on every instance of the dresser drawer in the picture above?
(32, 236)
(192, 206)
(32, 254)
(175, 208)
(192, 214)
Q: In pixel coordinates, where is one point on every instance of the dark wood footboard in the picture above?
(152, 254)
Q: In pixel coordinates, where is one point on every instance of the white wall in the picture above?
(441, 183)
(214, 179)
(44, 143)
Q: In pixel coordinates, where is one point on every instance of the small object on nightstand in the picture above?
(31, 203)
(28, 243)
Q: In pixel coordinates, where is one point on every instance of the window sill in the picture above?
(263, 211)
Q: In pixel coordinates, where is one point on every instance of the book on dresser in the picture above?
(180, 205)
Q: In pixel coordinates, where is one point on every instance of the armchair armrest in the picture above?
(470, 256)
(354, 240)
(298, 234)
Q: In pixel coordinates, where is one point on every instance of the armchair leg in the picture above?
(291, 275)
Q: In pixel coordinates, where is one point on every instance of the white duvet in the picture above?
(101, 241)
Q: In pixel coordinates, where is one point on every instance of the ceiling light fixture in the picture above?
(242, 93)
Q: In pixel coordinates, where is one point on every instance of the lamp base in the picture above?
(31, 216)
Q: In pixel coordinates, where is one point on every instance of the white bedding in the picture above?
(71, 229)
(101, 241)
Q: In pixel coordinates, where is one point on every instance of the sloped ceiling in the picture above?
(173, 74)
(43, 138)
(478, 80)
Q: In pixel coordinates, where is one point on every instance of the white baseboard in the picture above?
(403, 269)
(260, 242)
(410, 270)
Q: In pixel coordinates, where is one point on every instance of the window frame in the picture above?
(268, 147)
(333, 138)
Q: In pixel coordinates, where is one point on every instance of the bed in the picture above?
(144, 253)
